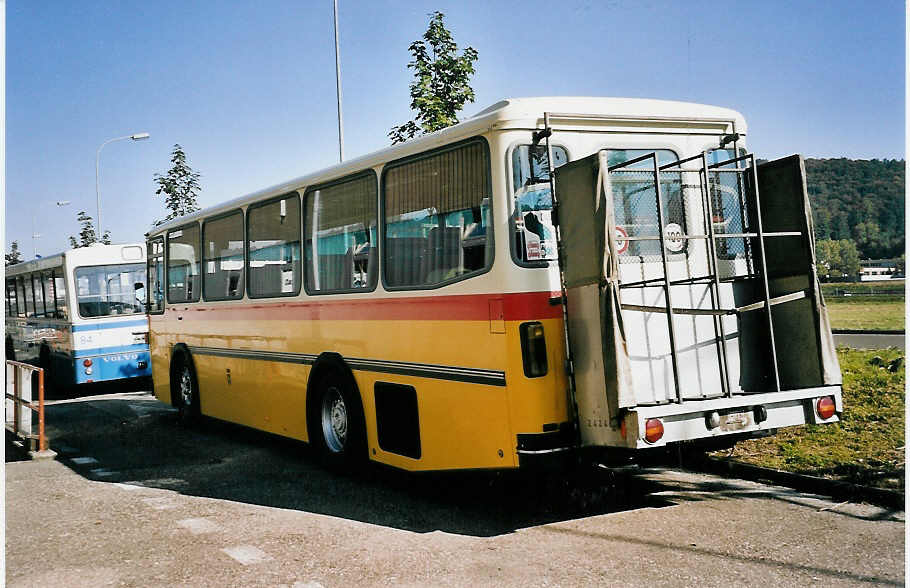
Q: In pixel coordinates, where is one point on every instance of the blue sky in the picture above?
(248, 88)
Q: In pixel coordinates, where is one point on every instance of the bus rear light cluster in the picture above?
(533, 349)
(654, 430)
(824, 407)
(87, 364)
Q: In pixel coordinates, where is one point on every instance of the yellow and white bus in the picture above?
(408, 306)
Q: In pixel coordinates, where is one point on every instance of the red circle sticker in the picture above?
(622, 240)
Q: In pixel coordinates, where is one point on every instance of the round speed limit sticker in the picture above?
(673, 239)
(622, 240)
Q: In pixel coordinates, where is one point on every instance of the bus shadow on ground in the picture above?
(139, 441)
(54, 392)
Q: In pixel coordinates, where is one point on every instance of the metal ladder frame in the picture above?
(712, 278)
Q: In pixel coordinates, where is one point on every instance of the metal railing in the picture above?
(23, 383)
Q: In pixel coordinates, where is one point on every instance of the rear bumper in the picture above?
(548, 449)
(740, 415)
(113, 366)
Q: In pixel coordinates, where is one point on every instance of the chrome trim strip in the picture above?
(420, 370)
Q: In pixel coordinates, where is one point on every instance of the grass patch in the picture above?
(866, 447)
(873, 313)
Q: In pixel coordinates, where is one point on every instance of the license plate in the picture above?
(735, 421)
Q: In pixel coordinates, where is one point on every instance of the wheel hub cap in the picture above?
(334, 420)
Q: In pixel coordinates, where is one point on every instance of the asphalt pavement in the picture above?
(134, 498)
(870, 340)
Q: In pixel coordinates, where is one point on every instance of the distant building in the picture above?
(878, 269)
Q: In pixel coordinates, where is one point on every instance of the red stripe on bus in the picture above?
(474, 307)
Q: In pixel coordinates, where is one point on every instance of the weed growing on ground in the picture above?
(866, 446)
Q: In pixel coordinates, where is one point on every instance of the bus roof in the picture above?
(96, 254)
(509, 113)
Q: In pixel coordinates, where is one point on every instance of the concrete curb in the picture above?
(42, 455)
(841, 490)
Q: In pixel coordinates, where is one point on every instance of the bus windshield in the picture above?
(109, 290)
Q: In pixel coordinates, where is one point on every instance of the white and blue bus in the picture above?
(80, 314)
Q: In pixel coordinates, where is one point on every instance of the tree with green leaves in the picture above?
(180, 186)
(13, 256)
(441, 81)
(87, 235)
(836, 259)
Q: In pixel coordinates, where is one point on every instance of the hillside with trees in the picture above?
(861, 201)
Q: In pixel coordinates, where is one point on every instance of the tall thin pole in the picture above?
(338, 88)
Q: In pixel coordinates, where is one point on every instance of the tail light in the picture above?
(654, 430)
(87, 363)
(533, 349)
(824, 407)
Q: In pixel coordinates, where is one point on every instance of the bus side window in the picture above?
(12, 308)
(60, 294)
(340, 232)
(436, 217)
(29, 296)
(223, 251)
(273, 233)
(20, 296)
(50, 301)
(155, 273)
(183, 264)
(38, 289)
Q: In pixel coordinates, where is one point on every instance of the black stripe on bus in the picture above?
(420, 370)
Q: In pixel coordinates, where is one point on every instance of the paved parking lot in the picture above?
(136, 499)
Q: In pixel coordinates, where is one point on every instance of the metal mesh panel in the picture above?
(636, 214)
(730, 216)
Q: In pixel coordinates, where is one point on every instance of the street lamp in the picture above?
(35, 234)
(134, 137)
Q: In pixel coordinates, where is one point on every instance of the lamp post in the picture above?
(35, 234)
(134, 137)
(338, 88)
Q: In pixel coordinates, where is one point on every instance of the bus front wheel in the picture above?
(186, 386)
(336, 424)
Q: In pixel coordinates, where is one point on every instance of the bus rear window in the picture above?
(635, 204)
(109, 290)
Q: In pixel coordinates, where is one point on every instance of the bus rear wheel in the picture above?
(186, 386)
(336, 423)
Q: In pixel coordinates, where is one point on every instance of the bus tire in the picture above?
(185, 388)
(335, 419)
